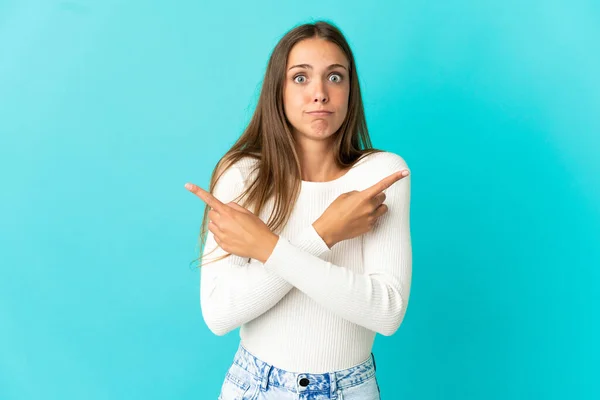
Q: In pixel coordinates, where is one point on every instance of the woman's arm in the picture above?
(378, 297)
(234, 291)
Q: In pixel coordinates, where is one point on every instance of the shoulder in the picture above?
(380, 165)
(385, 161)
(246, 166)
(231, 179)
(237, 172)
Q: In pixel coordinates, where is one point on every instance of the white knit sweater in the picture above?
(309, 308)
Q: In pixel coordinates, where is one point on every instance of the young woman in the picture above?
(332, 265)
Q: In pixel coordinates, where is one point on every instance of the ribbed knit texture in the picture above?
(309, 308)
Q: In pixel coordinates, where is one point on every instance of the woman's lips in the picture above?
(320, 113)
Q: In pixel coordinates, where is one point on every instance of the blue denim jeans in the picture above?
(249, 378)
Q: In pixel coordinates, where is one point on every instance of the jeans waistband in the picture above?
(298, 381)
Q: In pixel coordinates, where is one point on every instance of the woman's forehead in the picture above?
(316, 53)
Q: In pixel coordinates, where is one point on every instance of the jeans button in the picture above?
(304, 382)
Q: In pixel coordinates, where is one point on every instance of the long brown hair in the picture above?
(268, 137)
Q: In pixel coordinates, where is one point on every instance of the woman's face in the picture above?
(316, 79)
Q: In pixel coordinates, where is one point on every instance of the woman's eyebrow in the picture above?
(308, 66)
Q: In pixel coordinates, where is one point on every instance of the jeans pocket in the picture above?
(365, 390)
(235, 386)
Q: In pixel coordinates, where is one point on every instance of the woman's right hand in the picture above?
(354, 213)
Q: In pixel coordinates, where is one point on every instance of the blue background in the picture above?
(108, 108)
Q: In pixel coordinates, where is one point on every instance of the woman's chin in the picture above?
(316, 132)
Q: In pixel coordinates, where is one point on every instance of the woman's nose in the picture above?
(320, 95)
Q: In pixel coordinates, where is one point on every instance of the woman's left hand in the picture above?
(236, 229)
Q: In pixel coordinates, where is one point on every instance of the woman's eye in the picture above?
(339, 77)
(301, 78)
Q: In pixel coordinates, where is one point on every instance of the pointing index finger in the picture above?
(208, 198)
(385, 183)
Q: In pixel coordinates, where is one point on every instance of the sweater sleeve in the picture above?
(375, 298)
(234, 291)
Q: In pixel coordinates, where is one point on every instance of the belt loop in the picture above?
(264, 383)
(333, 388)
(374, 365)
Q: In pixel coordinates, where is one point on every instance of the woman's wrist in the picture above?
(267, 247)
(321, 229)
